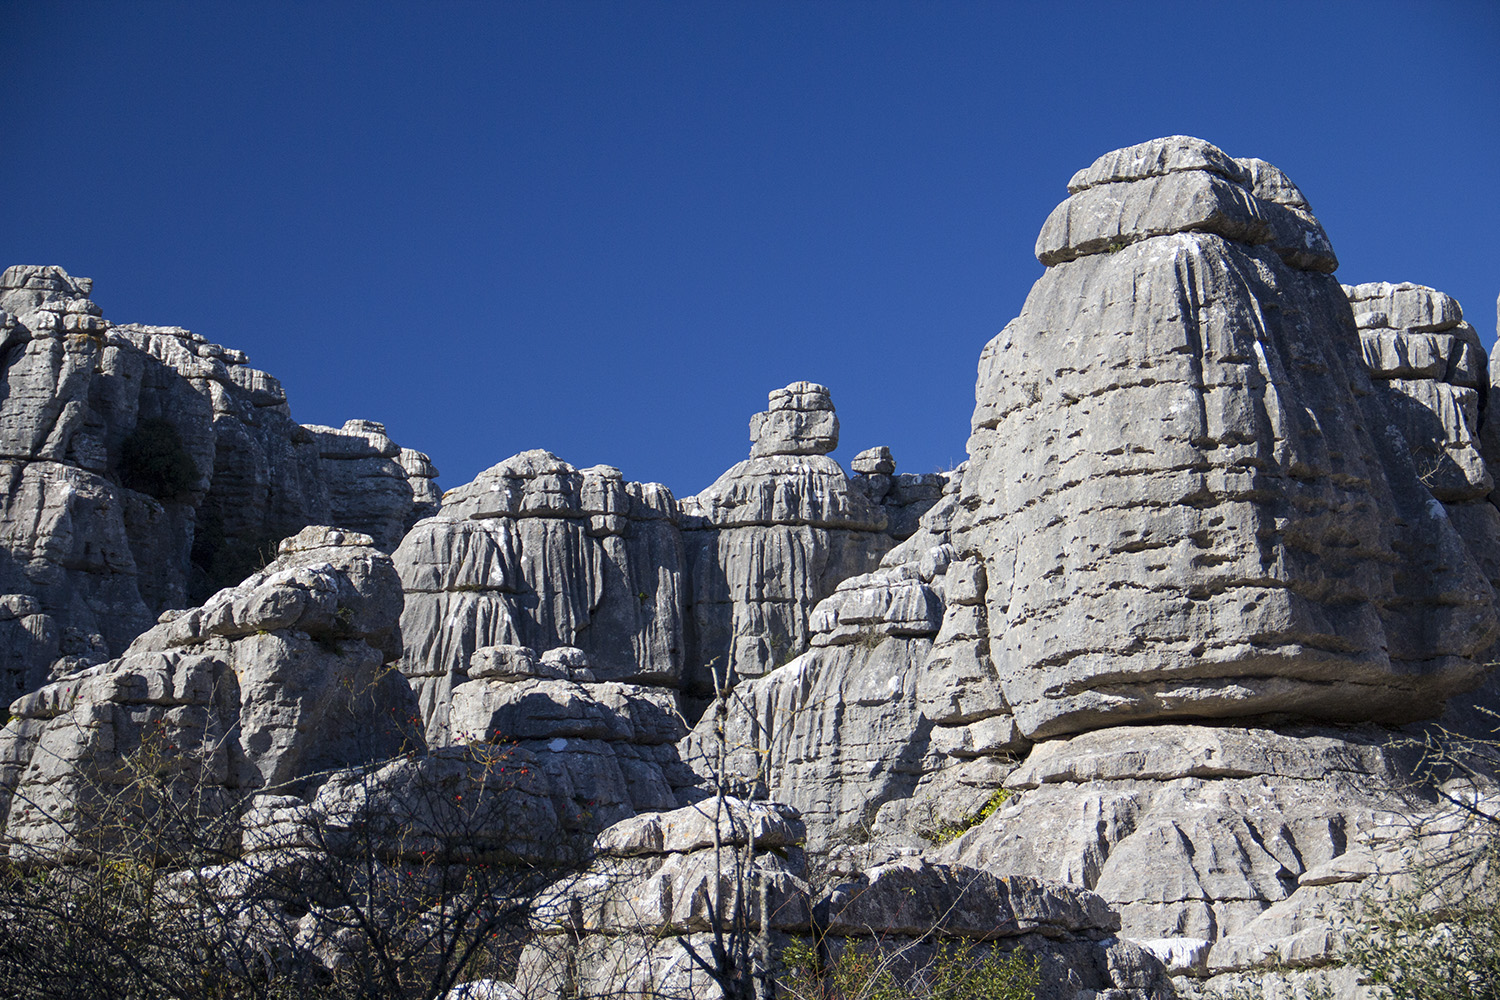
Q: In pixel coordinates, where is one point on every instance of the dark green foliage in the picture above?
(1439, 938)
(154, 462)
(868, 971)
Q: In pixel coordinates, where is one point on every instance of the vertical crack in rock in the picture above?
(537, 553)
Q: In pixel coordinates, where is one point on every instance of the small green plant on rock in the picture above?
(870, 971)
(948, 831)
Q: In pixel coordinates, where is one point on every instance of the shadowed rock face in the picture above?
(143, 468)
(537, 553)
(1433, 370)
(1188, 496)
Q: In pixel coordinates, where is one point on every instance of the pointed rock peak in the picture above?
(1157, 158)
(799, 421)
(1183, 185)
(874, 462)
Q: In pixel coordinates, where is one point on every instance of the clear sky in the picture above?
(608, 229)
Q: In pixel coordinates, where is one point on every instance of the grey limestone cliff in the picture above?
(143, 468)
(770, 538)
(263, 687)
(539, 554)
(1118, 690)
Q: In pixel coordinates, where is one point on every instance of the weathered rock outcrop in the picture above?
(265, 686)
(143, 468)
(1215, 504)
(1191, 832)
(892, 726)
(1181, 479)
(537, 553)
(608, 748)
(661, 885)
(1435, 372)
(770, 538)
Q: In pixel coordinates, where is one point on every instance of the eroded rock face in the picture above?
(1188, 497)
(143, 468)
(1418, 348)
(772, 537)
(660, 885)
(607, 748)
(539, 554)
(268, 683)
(1193, 833)
(893, 725)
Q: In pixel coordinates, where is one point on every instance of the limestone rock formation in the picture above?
(905, 497)
(265, 685)
(892, 726)
(1434, 372)
(539, 554)
(772, 537)
(367, 479)
(1181, 480)
(143, 468)
(800, 421)
(607, 747)
(1110, 691)
(1418, 347)
(1191, 832)
(911, 907)
(661, 885)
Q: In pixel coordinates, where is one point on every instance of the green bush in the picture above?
(1438, 938)
(946, 832)
(867, 971)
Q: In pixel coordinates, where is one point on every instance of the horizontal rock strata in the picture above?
(893, 725)
(775, 534)
(1191, 832)
(1181, 480)
(662, 884)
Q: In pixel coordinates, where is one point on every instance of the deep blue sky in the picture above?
(608, 229)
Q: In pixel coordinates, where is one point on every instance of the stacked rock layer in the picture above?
(1189, 499)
